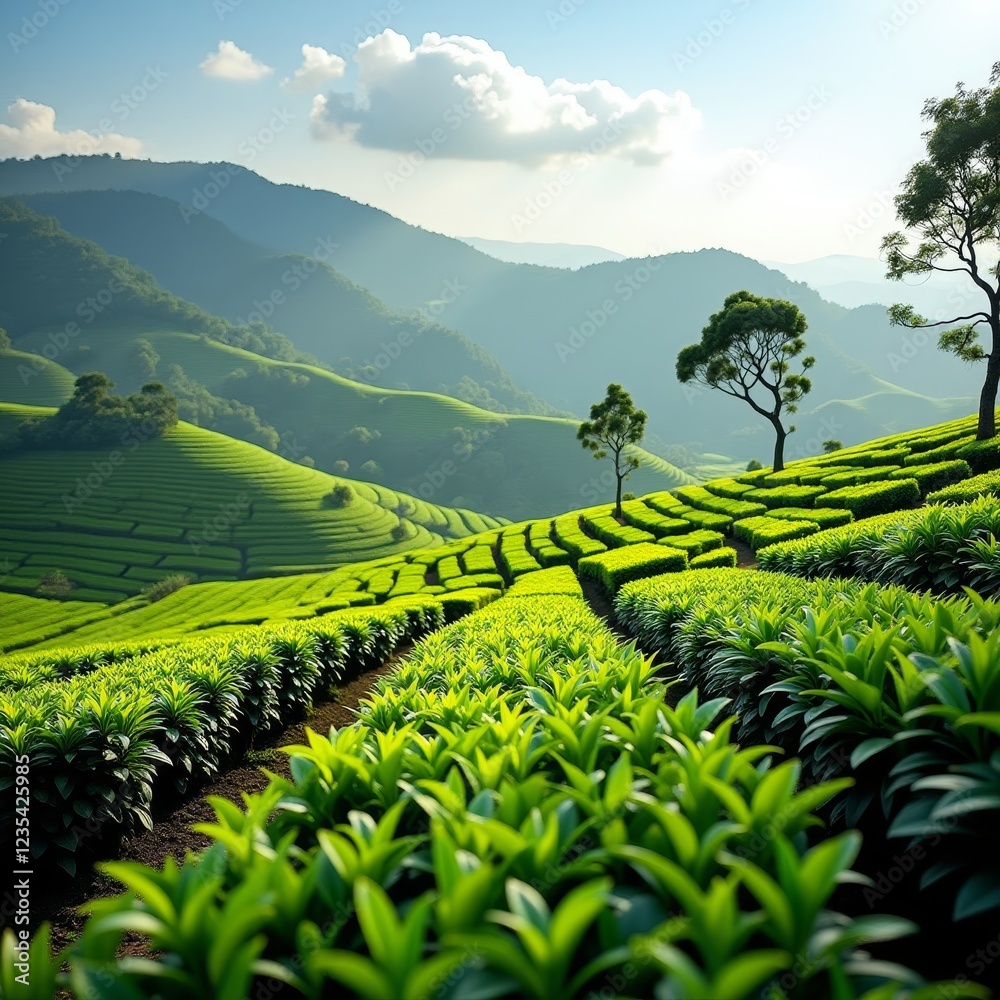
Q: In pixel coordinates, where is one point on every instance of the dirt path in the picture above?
(172, 834)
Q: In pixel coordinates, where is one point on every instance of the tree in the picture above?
(750, 344)
(831, 445)
(5, 342)
(951, 200)
(614, 424)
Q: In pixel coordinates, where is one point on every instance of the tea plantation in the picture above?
(776, 782)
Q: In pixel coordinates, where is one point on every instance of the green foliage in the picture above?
(760, 531)
(903, 689)
(339, 497)
(56, 584)
(104, 741)
(516, 778)
(982, 456)
(940, 548)
(700, 498)
(749, 344)
(606, 529)
(949, 200)
(715, 559)
(934, 476)
(754, 465)
(164, 587)
(614, 425)
(987, 483)
(831, 445)
(558, 580)
(870, 499)
(614, 568)
(93, 417)
(786, 496)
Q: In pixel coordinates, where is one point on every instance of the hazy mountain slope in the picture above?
(565, 255)
(324, 314)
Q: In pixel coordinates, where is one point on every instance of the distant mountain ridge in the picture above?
(565, 334)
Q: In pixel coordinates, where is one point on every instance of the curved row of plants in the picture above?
(899, 690)
(107, 729)
(942, 548)
(518, 812)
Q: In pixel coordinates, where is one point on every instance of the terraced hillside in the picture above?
(33, 380)
(197, 503)
(434, 446)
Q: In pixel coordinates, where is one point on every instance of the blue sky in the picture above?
(775, 128)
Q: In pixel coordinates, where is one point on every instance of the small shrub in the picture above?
(401, 532)
(162, 588)
(55, 584)
(754, 465)
(340, 496)
(618, 566)
(715, 559)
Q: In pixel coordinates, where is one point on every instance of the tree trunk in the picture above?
(988, 398)
(618, 496)
(779, 446)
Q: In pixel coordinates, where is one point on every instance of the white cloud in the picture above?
(462, 99)
(318, 66)
(230, 62)
(33, 130)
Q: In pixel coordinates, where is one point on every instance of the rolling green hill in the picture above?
(423, 443)
(197, 503)
(33, 379)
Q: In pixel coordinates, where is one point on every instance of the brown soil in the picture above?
(746, 558)
(172, 835)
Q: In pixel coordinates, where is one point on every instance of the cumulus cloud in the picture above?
(469, 102)
(230, 62)
(318, 66)
(33, 130)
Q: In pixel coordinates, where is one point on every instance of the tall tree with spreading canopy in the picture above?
(614, 424)
(951, 200)
(750, 345)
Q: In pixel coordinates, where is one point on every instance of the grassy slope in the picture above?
(34, 380)
(194, 502)
(536, 463)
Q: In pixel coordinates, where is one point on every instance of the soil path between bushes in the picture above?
(172, 835)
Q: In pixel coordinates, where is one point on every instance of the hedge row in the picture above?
(871, 499)
(618, 566)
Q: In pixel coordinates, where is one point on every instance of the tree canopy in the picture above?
(614, 424)
(94, 416)
(746, 351)
(951, 201)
